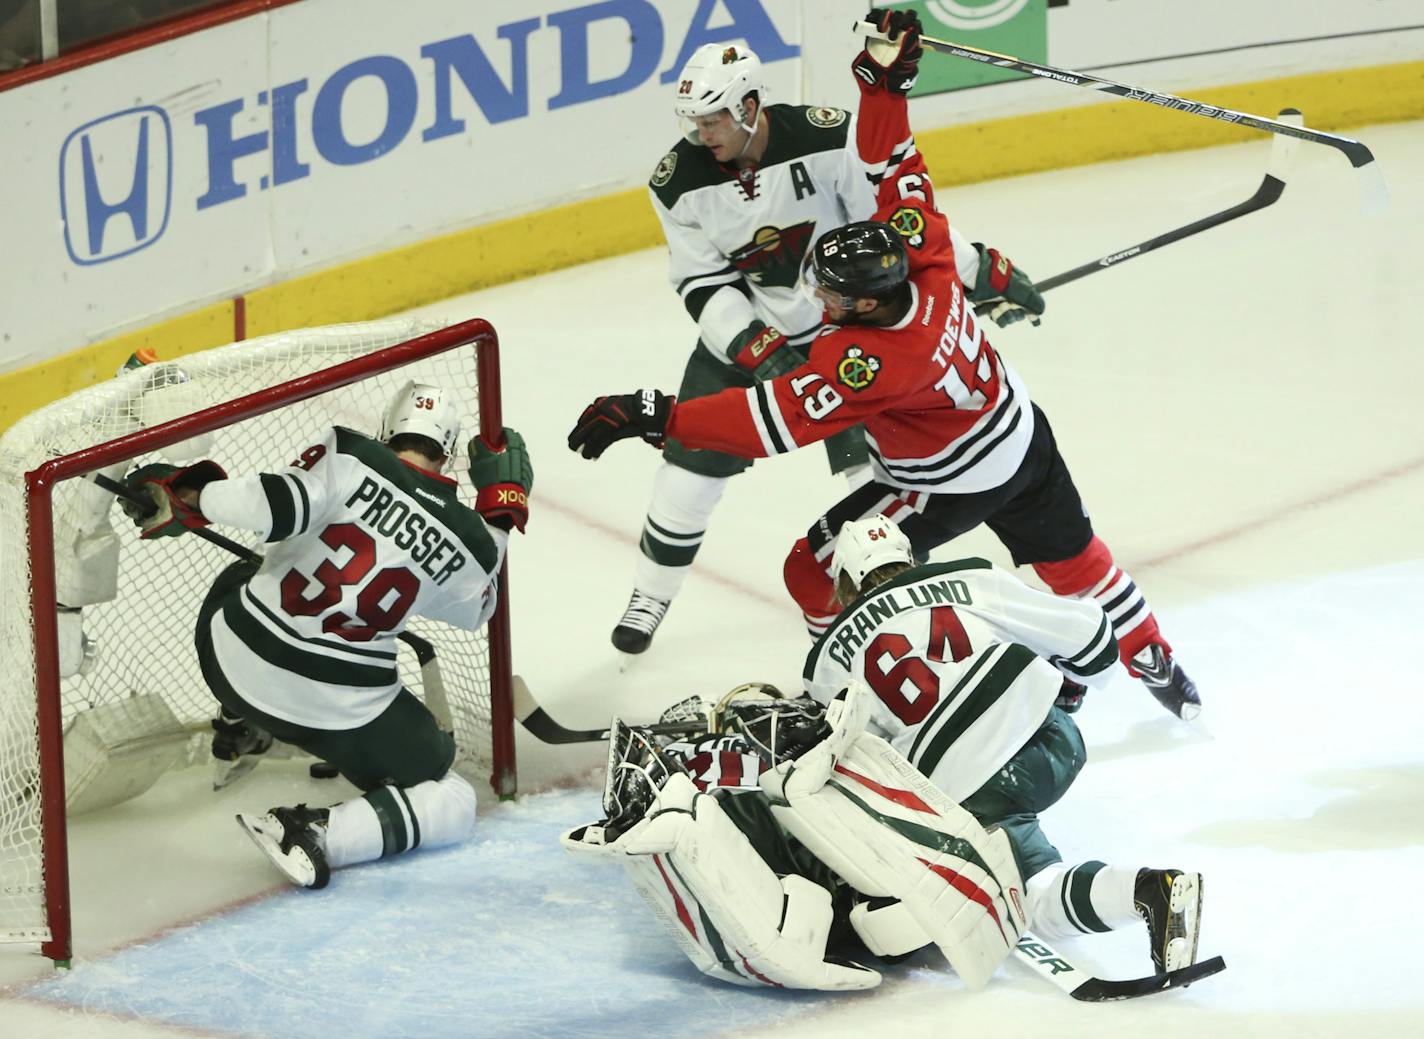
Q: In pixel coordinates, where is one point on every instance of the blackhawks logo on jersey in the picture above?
(909, 223)
(773, 256)
(667, 165)
(825, 117)
(856, 371)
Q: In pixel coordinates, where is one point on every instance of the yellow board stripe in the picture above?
(562, 236)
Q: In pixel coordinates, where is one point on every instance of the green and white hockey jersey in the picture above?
(737, 238)
(362, 541)
(965, 662)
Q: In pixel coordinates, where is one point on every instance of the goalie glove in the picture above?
(1013, 290)
(892, 63)
(643, 414)
(764, 352)
(503, 480)
(165, 485)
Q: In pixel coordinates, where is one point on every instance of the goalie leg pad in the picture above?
(730, 914)
(888, 831)
(888, 927)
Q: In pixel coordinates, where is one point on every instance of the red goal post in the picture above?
(247, 428)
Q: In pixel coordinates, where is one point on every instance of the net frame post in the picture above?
(39, 487)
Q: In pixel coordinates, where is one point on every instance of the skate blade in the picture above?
(627, 660)
(225, 773)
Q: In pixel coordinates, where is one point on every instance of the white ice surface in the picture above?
(1241, 414)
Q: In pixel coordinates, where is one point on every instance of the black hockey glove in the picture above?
(643, 414)
(169, 515)
(503, 479)
(893, 63)
(1070, 696)
(764, 352)
(1009, 290)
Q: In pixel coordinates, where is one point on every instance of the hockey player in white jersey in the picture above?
(740, 200)
(365, 534)
(966, 664)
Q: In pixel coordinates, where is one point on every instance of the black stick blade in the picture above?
(1099, 990)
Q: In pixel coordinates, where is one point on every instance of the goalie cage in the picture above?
(141, 707)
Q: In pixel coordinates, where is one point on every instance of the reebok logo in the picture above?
(435, 498)
(511, 496)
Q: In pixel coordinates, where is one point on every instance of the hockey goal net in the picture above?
(99, 701)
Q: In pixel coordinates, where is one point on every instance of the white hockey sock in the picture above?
(1091, 897)
(678, 513)
(390, 820)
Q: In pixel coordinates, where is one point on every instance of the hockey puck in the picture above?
(323, 770)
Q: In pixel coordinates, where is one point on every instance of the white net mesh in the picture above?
(141, 642)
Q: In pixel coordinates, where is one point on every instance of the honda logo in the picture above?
(115, 184)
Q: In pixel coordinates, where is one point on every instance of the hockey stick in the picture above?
(543, 727)
(1272, 186)
(431, 678)
(1048, 964)
(1374, 195)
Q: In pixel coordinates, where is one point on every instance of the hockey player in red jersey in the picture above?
(954, 438)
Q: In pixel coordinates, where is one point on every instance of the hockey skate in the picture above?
(1170, 901)
(237, 746)
(634, 631)
(295, 840)
(1167, 682)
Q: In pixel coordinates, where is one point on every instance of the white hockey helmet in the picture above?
(426, 410)
(863, 545)
(717, 78)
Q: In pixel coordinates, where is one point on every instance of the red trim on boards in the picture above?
(113, 46)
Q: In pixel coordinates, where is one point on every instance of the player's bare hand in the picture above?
(643, 414)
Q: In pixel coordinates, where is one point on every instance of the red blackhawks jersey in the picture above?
(943, 412)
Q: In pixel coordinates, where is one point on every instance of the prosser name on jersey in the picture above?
(390, 516)
(361, 542)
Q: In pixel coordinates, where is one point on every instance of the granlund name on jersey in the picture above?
(362, 542)
(754, 227)
(965, 662)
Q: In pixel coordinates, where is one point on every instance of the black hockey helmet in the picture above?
(863, 260)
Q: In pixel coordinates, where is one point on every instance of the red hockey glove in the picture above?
(1013, 290)
(503, 479)
(169, 515)
(643, 414)
(764, 352)
(894, 63)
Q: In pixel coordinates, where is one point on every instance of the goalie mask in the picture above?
(424, 410)
(865, 545)
(777, 728)
(717, 78)
(637, 770)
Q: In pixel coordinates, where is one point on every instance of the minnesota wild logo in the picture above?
(666, 166)
(773, 256)
(825, 117)
(909, 223)
(855, 370)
